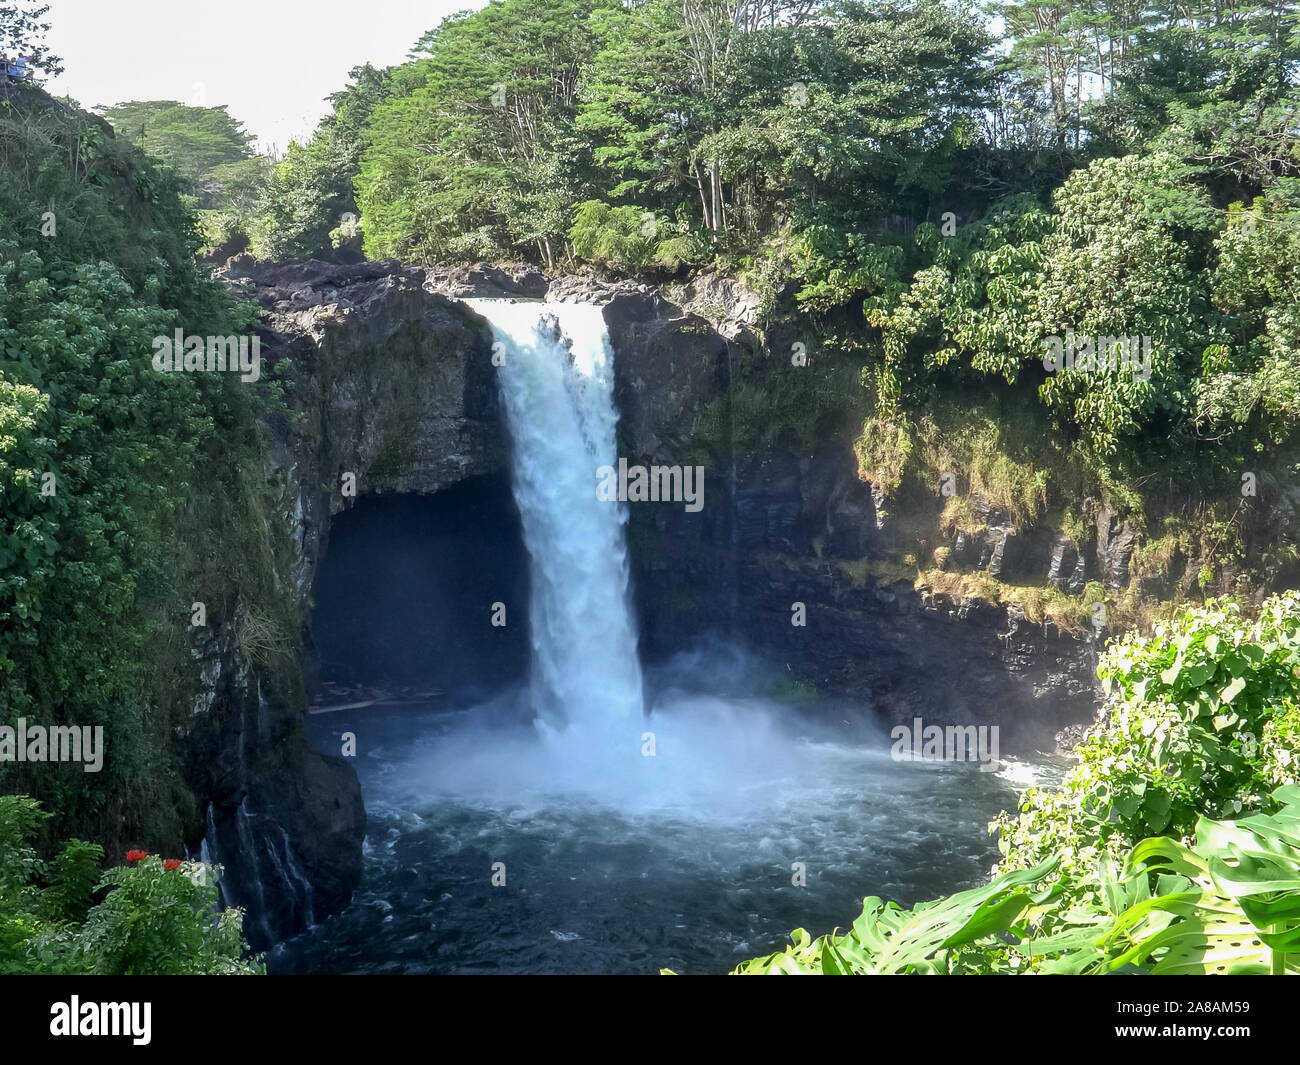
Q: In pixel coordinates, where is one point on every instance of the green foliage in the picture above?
(20, 820)
(1225, 902)
(1250, 378)
(1199, 719)
(204, 145)
(471, 154)
(994, 450)
(996, 299)
(1229, 903)
(162, 922)
(926, 940)
(73, 877)
(301, 207)
(152, 918)
(615, 235)
(729, 123)
(628, 238)
(114, 478)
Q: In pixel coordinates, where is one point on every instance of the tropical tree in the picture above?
(22, 34)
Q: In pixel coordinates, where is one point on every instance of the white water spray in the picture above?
(557, 384)
(714, 758)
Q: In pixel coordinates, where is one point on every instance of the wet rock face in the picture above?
(393, 385)
(392, 391)
(1066, 565)
(893, 651)
(285, 823)
(1115, 543)
(781, 528)
(291, 846)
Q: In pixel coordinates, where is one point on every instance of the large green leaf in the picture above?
(888, 939)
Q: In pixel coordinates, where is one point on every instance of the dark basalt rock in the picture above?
(486, 281)
(1079, 578)
(1115, 543)
(1004, 551)
(392, 383)
(1063, 561)
(968, 548)
(849, 509)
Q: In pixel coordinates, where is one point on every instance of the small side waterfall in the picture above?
(208, 853)
(247, 845)
(557, 384)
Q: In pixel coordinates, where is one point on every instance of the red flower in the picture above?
(171, 863)
(136, 856)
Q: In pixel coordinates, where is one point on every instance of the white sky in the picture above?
(272, 62)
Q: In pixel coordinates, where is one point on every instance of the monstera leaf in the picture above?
(1077, 942)
(1230, 904)
(889, 939)
(1240, 909)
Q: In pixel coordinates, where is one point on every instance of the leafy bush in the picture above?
(110, 472)
(1200, 718)
(154, 917)
(887, 939)
(619, 236)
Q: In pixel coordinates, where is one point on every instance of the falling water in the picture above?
(557, 384)
(619, 856)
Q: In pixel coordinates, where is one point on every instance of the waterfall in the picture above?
(556, 375)
(246, 845)
(208, 853)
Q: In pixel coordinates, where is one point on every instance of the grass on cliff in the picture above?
(994, 447)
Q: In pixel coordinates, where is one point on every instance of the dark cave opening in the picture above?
(406, 592)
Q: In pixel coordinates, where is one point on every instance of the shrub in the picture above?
(153, 916)
(1198, 719)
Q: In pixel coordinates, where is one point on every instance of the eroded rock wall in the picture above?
(388, 389)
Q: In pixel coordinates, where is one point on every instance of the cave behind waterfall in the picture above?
(404, 596)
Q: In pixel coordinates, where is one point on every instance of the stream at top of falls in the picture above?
(587, 821)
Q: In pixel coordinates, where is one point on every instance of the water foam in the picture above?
(557, 386)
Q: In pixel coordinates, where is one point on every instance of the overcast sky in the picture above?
(271, 62)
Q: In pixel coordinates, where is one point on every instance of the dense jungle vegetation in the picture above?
(928, 190)
(103, 534)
